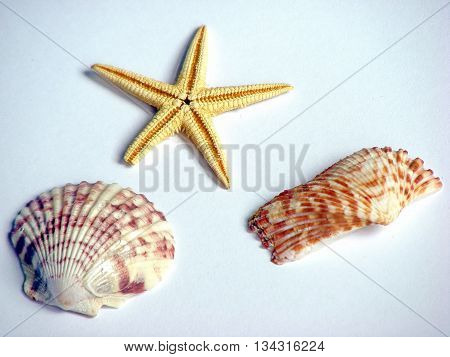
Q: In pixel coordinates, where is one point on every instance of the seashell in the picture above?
(88, 245)
(367, 187)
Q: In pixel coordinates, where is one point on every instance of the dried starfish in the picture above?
(187, 106)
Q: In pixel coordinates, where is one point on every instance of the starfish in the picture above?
(187, 106)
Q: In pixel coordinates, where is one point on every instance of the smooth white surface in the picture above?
(60, 124)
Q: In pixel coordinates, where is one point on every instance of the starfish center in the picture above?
(187, 101)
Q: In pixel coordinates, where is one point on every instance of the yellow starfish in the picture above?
(187, 106)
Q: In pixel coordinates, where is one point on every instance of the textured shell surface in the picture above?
(88, 245)
(371, 186)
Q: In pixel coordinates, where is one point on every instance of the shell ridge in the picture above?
(47, 200)
(69, 192)
(81, 195)
(123, 226)
(36, 208)
(57, 209)
(23, 243)
(83, 220)
(319, 232)
(101, 203)
(127, 250)
(109, 212)
(113, 212)
(108, 237)
(361, 178)
(27, 229)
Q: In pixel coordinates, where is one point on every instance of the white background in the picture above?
(60, 123)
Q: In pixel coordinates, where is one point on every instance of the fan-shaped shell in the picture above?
(369, 186)
(87, 245)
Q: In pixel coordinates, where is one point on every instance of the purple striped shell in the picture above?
(88, 245)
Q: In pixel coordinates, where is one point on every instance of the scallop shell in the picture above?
(370, 186)
(88, 245)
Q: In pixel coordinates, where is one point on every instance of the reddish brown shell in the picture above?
(369, 186)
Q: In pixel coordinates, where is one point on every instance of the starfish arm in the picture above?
(223, 99)
(150, 91)
(165, 123)
(193, 73)
(198, 129)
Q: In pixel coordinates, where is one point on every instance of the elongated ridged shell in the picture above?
(87, 245)
(370, 186)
